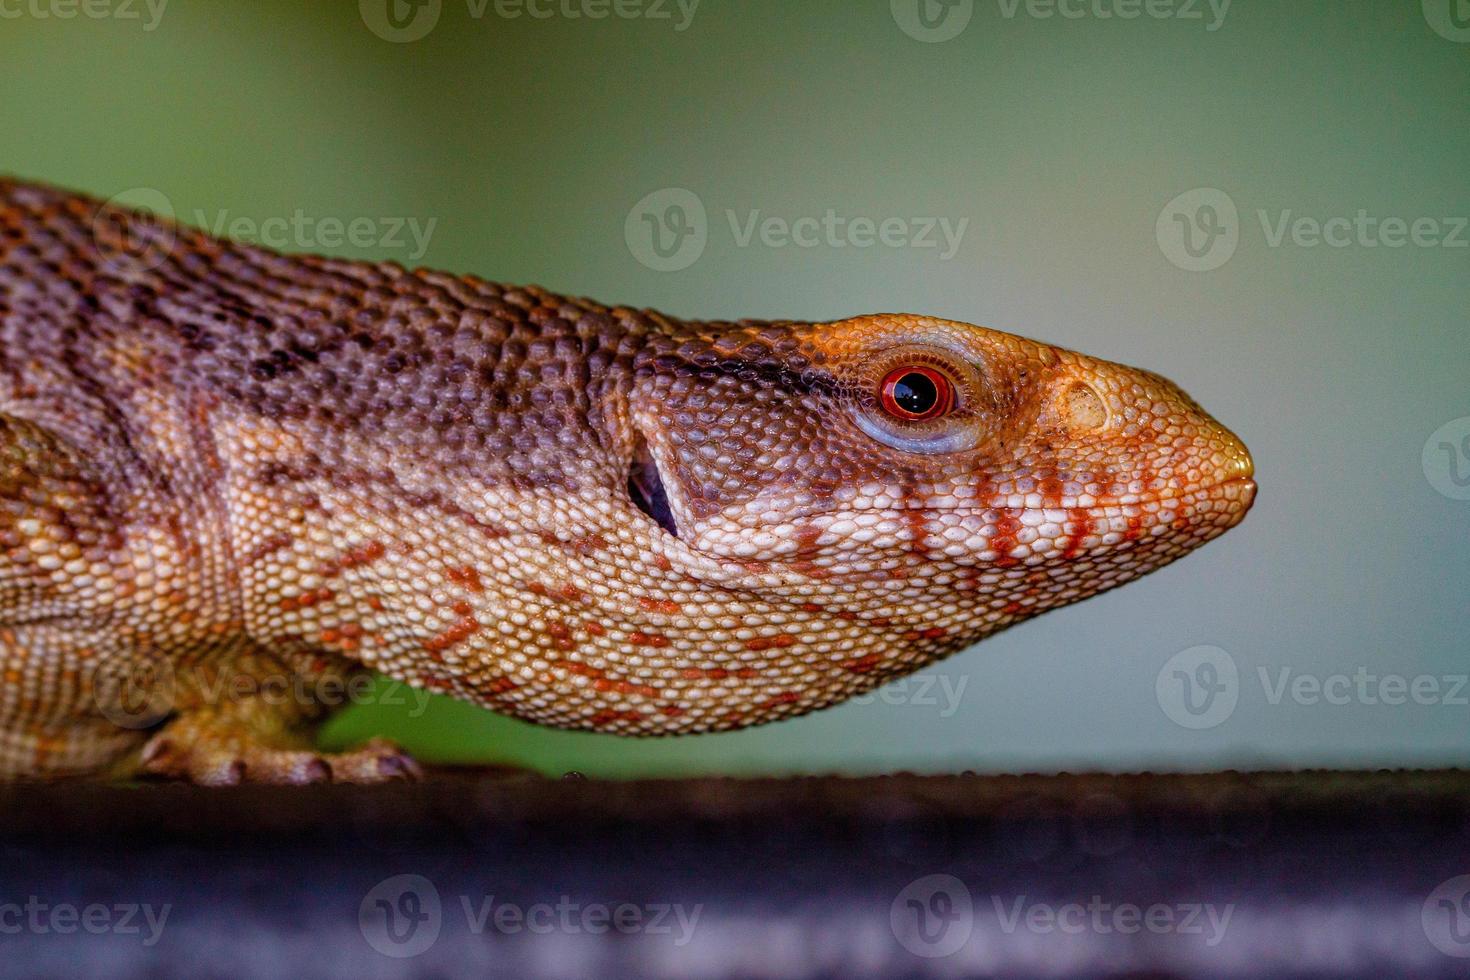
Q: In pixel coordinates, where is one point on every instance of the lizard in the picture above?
(237, 480)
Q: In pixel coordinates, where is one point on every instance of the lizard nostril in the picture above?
(1083, 408)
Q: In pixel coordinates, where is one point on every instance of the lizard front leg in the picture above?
(122, 646)
(251, 717)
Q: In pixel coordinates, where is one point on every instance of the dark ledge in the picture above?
(1223, 875)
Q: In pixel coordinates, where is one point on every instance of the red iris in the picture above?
(917, 394)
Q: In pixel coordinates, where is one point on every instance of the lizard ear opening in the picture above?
(646, 489)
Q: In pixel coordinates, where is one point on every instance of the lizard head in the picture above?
(932, 471)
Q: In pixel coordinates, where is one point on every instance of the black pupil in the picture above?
(915, 393)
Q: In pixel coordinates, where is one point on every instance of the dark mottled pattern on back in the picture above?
(510, 382)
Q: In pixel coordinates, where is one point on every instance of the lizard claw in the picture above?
(230, 762)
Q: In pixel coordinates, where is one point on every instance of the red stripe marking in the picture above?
(268, 547)
(624, 687)
(1003, 542)
(358, 555)
(1079, 523)
(561, 635)
(717, 673)
(468, 576)
(610, 716)
(457, 632)
(770, 642)
(307, 599)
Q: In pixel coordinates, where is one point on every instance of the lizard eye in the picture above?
(916, 394)
(919, 398)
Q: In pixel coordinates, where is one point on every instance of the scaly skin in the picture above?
(221, 464)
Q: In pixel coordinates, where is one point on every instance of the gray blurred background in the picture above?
(1264, 201)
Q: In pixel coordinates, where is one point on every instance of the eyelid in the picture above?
(956, 439)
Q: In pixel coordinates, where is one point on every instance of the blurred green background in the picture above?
(1060, 135)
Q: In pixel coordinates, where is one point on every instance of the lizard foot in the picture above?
(223, 761)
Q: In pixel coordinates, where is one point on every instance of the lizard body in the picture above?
(228, 468)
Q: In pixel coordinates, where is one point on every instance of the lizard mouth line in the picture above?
(1098, 503)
